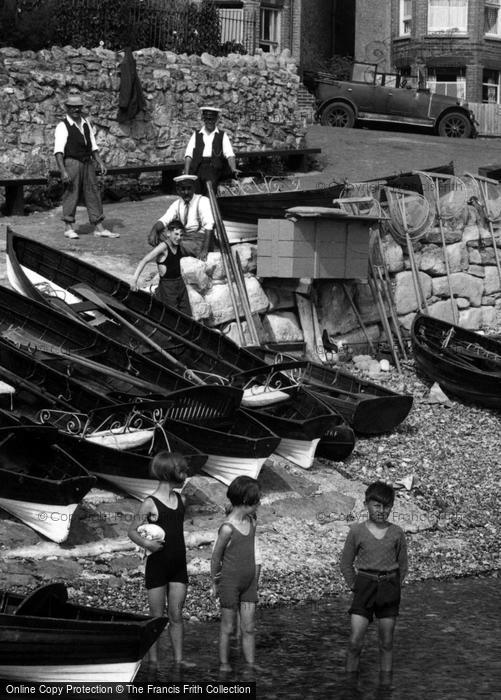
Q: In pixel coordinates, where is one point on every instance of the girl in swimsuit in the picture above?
(233, 568)
(166, 576)
(167, 254)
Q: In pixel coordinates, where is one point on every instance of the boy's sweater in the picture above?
(369, 552)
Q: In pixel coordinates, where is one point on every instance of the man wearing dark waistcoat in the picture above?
(77, 155)
(209, 153)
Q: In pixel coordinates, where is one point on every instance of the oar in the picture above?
(386, 284)
(482, 185)
(359, 319)
(420, 298)
(434, 182)
(376, 293)
(239, 281)
(89, 294)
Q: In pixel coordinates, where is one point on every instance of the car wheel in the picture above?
(455, 125)
(338, 114)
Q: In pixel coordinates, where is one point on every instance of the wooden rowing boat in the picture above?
(41, 483)
(248, 208)
(467, 365)
(299, 420)
(209, 351)
(45, 638)
(369, 408)
(127, 470)
(206, 417)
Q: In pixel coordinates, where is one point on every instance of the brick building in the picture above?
(313, 30)
(452, 45)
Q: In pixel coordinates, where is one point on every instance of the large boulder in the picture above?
(462, 285)
(405, 294)
(283, 327)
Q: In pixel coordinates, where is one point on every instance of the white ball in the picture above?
(150, 531)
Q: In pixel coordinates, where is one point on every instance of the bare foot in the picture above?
(185, 664)
(225, 668)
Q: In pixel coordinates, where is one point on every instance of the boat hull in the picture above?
(465, 364)
(72, 673)
(50, 521)
(90, 643)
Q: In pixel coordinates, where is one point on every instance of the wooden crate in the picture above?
(320, 248)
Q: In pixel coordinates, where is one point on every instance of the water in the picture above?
(447, 646)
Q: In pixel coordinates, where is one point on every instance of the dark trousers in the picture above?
(173, 292)
(83, 184)
(207, 173)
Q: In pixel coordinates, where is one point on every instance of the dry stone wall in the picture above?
(258, 95)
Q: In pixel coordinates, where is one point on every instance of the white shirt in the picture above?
(208, 139)
(61, 134)
(197, 215)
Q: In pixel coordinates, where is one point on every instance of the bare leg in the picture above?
(247, 613)
(176, 598)
(227, 622)
(359, 626)
(386, 630)
(156, 599)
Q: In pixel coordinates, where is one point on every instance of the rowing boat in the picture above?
(127, 470)
(33, 266)
(467, 365)
(45, 638)
(207, 417)
(298, 418)
(40, 479)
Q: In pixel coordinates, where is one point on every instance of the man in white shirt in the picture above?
(209, 153)
(76, 155)
(194, 211)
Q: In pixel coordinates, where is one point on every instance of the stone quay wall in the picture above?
(258, 95)
(473, 276)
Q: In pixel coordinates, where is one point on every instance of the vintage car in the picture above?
(372, 96)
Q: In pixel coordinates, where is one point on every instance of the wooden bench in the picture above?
(294, 158)
(14, 192)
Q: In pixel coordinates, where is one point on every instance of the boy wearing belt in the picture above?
(374, 565)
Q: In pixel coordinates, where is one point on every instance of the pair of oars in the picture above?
(233, 272)
(89, 294)
(431, 181)
(482, 184)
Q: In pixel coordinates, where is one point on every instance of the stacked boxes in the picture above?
(316, 247)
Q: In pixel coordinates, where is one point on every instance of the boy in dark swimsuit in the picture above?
(166, 577)
(167, 254)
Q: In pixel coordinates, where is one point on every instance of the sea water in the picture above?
(447, 647)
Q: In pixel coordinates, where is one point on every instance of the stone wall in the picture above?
(258, 95)
(473, 275)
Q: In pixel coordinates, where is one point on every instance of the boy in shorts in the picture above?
(374, 564)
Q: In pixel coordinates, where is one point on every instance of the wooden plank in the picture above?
(306, 319)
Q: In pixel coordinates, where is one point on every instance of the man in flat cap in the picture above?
(194, 211)
(209, 153)
(77, 155)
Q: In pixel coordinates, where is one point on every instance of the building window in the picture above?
(490, 86)
(405, 17)
(232, 24)
(269, 28)
(491, 18)
(447, 81)
(448, 16)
